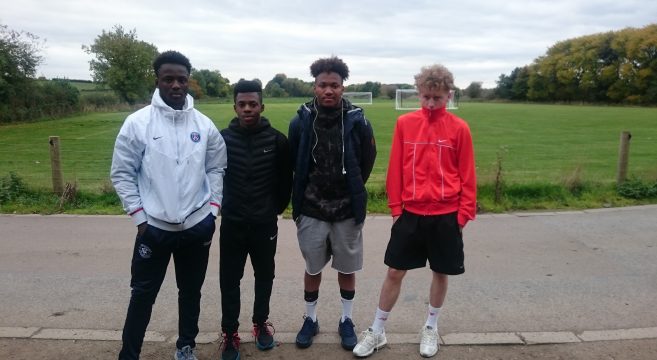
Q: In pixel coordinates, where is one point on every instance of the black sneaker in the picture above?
(230, 346)
(264, 338)
(307, 332)
(348, 338)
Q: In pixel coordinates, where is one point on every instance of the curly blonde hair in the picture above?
(434, 77)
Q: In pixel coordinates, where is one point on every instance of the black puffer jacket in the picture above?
(258, 179)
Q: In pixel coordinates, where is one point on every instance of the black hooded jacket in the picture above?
(258, 179)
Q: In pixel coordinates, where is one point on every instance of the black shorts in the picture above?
(414, 239)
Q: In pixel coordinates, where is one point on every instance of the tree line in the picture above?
(21, 96)
(612, 67)
(123, 62)
(283, 86)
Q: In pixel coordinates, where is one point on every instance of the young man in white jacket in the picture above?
(167, 168)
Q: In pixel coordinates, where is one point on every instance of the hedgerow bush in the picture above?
(637, 189)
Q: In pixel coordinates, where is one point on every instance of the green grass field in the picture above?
(88, 86)
(538, 143)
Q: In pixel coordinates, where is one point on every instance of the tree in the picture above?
(273, 87)
(520, 86)
(618, 66)
(504, 86)
(19, 59)
(282, 86)
(474, 90)
(124, 63)
(373, 87)
(390, 90)
(297, 87)
(211, 82)
(275, 90)
(514, 86)
(194, 89)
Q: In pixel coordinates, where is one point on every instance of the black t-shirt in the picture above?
(327, 197)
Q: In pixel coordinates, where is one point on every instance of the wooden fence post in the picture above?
(623, 157)
(55, 164)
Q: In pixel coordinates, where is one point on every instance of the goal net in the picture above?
(408, 99)
(362, 98)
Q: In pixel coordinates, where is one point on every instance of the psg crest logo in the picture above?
(196, 137)
(144, 251)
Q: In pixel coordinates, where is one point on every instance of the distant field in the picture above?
(88, 86)
(539, 143)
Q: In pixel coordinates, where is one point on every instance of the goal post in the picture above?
(408, 99)
(358, 98)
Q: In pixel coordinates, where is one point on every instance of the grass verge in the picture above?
(18, 198)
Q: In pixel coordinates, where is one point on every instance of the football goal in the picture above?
(358, 98)
(408, 99)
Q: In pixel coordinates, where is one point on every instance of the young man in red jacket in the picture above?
(432, 195)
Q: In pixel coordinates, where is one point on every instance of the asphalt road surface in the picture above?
(573, 272)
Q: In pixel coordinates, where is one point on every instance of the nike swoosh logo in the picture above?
(267, 150)
(442, 141)
(273, 237)
(156, 137)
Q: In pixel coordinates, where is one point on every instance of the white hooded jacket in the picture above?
(168, 165)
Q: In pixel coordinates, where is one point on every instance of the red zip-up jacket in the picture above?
(432, 169)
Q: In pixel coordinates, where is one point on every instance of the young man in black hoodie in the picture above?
(333, 151)
(257, 188)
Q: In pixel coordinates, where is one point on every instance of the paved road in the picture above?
(24, 349)
(525, 272)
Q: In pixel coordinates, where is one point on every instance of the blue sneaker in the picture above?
(186, 353)
(307, 332)
(348, 338)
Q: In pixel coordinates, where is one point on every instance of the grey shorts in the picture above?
(320, 240)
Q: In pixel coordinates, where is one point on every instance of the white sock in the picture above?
(347, 307)
(311, 310)
(380, 321)
(432, 317)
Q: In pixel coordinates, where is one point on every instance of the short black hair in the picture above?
(332, 64)
(247, 86)
(171, 57)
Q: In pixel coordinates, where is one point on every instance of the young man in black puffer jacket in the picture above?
(257, 188)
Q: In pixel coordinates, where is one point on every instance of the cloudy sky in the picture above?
(386, 41)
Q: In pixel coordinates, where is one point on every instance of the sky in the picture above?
(385, 41)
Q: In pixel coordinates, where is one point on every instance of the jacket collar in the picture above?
(434, 114)
(157, 102)
(312, 106)
(235, 126)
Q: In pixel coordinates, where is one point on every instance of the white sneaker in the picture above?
(371, 341)
(429, 341)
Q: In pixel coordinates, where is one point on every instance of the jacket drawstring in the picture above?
(312, 151)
